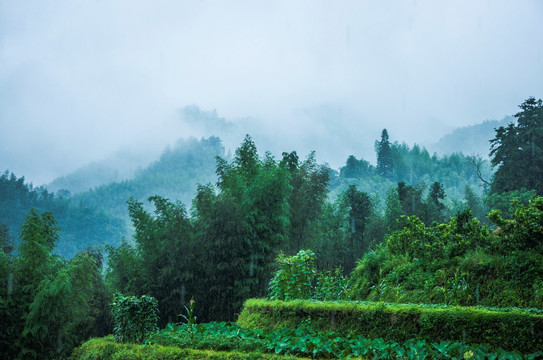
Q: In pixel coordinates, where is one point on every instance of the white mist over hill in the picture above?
(81, 79)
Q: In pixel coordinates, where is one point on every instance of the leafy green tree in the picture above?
(241, 227)
(309, 189)
(360, 208)
(39, 234)
(334, 236)
(393, 208)
(524, 230)
(385, 161)
(224, 259)
(165, 245)
(61, 315)
(517, 151)
(33, 264)
(9, 314)
(125, 269)
(502, 201)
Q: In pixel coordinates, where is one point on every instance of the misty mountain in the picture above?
(175, 175)
(120, 166)
(99, 215)
(470, 140)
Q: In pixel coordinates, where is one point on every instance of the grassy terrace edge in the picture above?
(514, 329)
(106, 348)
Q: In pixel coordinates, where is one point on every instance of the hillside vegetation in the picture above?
(414, 244)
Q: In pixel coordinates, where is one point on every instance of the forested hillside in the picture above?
(81, 225)
(471, 140)
(120, 166)
(410, 235)
(99, 216)
(175, 175)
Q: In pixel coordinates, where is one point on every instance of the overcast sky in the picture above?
(81, 79)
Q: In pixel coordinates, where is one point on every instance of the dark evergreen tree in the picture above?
(360, 208)
(410, 198)
(355, 168)
(435, 209)
(385, 164)
(517, 151)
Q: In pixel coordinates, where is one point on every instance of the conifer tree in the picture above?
(385, 164)
(517, 151)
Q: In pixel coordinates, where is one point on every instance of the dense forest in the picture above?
(412, 228)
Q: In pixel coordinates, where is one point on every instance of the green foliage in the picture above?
(190, 318)
(385, 159)
(416, 168)
(295, 277)
(62, 314)
(134, 318)
(105, 348)
(524, 231)
(304, 340)
(49, 305)
(355, 168)
(459, 262)
(309, 190)
(503, 201)
(163, 263)
(125, 270)
(83, 225)
(360, 209)
(331, 285)
(511, 329)
(298, 278)
(517, 151)
(239, 229)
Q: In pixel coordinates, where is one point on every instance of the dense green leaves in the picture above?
(49, 305)
(511, 329)
(298, 278)
(460, 262)
(295, 277)
(517, 151)
(134, 318)
(385, 160)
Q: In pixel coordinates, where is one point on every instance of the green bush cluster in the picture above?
(298, 278)
(106, 348)
(458, 263)
(134, 317)
(512, 330)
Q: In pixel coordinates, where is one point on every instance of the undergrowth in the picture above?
(305, 341)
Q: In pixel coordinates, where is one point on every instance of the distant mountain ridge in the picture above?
(470, 140)
(120, 166)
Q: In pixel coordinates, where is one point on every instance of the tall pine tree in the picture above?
(385, 163)
(517, 151)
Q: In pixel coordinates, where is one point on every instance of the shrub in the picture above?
(134, 317)
(511, 329)
(295, 277)
(105, 348)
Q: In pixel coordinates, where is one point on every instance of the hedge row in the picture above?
(106, 348)
(510, 330)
